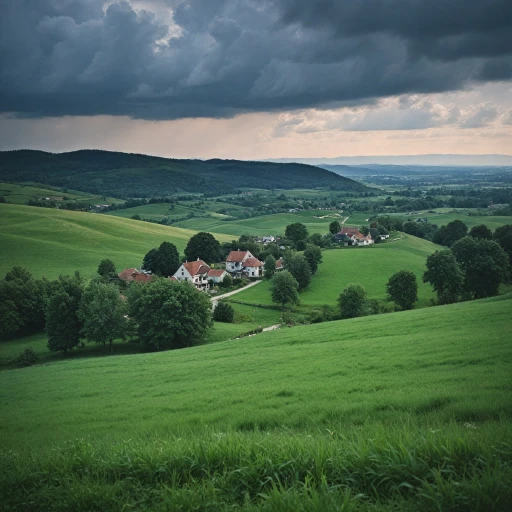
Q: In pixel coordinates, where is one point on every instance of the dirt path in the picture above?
(218, 297)
(344, 220)
(271, 328)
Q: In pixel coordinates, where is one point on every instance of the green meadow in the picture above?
(411, 412)
(371, 266)
(50, 242)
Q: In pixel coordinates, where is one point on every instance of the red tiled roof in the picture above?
(279, 264)
(142, 278)
(128, 274)
(252, 262)
(216, 273)
(237, 256)
(196, 267)
(351, 232)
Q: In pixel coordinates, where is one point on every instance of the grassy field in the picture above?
(410, 413)
(370, 266)
(21, 193)
(51, 242)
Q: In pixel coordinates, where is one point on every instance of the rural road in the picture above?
(218, 297)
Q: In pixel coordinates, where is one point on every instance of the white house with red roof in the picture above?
(243, 263)
(195, 272)
(216, 276)
(356, 236)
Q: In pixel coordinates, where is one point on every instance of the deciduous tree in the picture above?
(335, 227)
(296, 232)
(313, 256)
(503, 235)
(284, 289)
(203, 246)
(402, 289)
(481, 231)
(170, 314)
(299, 268)
(102, 313)
(62, 323)
(445, 275)
(485, 265)
(270, 267)
(352, 301)
(224, 312)
(107, 268)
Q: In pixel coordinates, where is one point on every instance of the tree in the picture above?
(313, 256)
(170, 314)
(270, 267)
(317, 239)
(481, 231)
(23, 300)
(62, 323)
(402, 289)
(227, 282)
(449, 234)
(445, 275)
(296, 232)
(352, 301)
(284, 289)
(335, 227)
(102, 313)
(107, 269)
(503, 235)
(169, 259)
(299, 268)
(224, 312)
(203, 246)
(485, 265)
(151, 261)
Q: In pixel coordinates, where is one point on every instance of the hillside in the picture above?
(50, 242)
(410, 414)
(370, 266)
(129, 175)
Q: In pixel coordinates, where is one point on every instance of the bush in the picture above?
(27, 358)
(223, 312)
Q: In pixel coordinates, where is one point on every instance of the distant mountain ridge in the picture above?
(134, 175)
(422, 160)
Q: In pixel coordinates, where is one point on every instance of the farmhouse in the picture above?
(267, 239)
(216, 276)
(195, 272)
(355, 236)
(132, 274)
(279, 264)
(243, 263)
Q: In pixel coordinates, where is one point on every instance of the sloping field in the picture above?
(411, 412)
(51, 242)
(435, 361)
(370, 266)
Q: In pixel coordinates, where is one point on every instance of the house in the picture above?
(356, 236)
(132, 274)
(267, 239)
(279, 264)
(195, 272)
(243, 263)
(216, 276)
(342, 239)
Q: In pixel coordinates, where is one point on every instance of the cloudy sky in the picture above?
(257, 78)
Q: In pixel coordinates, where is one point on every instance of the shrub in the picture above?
(27, 358)
(223, 312)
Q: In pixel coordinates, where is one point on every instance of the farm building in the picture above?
(243, 263)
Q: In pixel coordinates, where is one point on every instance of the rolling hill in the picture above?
(410, 414)
(129, 175)
(50, 242)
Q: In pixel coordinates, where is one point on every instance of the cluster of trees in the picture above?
(164, 314)
(472, 268)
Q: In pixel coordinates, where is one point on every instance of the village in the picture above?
(239, 264)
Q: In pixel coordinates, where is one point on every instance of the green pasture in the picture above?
(371, 266)
(16, 193)
(404, 411)
(436, 365)
(51, 242)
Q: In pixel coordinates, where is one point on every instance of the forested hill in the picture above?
(131, 175)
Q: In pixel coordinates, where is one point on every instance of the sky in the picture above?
(257, 79)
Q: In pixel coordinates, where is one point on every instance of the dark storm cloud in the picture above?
(218, 58)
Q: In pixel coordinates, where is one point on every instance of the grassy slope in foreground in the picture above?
(370, 266)
(447, 362)
(51, 242)
(412, 414)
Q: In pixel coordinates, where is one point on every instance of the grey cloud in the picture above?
(90, 57)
